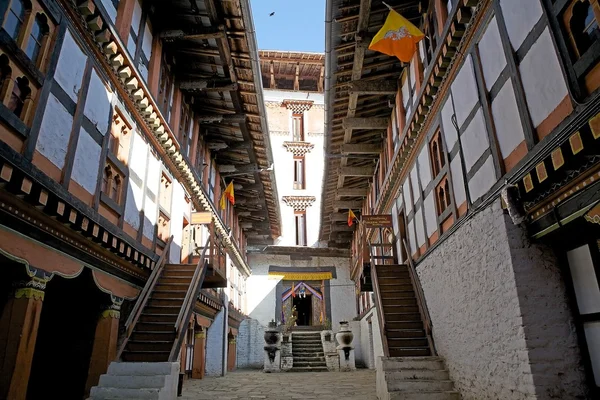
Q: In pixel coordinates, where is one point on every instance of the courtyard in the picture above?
(254, 384)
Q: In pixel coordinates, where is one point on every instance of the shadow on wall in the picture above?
(261, 291)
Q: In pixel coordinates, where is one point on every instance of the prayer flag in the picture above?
(398, 37)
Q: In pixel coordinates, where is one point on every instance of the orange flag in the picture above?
(398, 37)
(293, 290)
(228, 193)
(351, 218)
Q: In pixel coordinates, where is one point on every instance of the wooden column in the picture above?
(19, 325)
(199, 354)
(154, 68)
(104, 350)
(231, 350)
(124, 17)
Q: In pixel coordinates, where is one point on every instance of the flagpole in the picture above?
(387, 5)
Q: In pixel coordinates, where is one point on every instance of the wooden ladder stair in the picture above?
(403, 317)
(156, 326)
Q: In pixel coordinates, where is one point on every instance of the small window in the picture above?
(437, 155)
(16, 17)
(165, 86)
(112, 183)
(37, 37)
(118, 141)
(20, 94)
(164, 227)
(166, 190)
(583, 27)
(299, 180)
(443, 198)
(300, 217)
(297, 128)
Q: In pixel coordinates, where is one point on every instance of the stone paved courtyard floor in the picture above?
(358, 385)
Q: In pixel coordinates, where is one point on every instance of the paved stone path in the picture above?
(358, 385)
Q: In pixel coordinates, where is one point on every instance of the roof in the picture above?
(352, 25)
(292, 70)
(214, 50)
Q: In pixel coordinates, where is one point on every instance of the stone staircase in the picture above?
(130, 380)
(307, 352)
(414, 378)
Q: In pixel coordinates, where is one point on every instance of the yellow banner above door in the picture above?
(300, 276)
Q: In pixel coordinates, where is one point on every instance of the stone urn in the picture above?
(345, 335)
(271, 334)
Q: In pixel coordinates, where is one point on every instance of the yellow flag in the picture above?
(351, 217)
(229, 193)
(398, 37)
(222, 201)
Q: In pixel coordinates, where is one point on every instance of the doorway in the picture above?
(65, 338)
(303, 309)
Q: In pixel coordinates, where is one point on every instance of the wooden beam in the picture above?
(365, 123)
(273, 84)
(225, 118)
(320, 84)
(193, 33)
(358, 148)
(208, 85)
(224, 169)
(297, 78)
(356, 171)
(292, 61)
(341, 228)
(351, 192)
(354, 205)
(373, 87)
(338, 217)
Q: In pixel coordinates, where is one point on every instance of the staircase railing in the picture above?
(189, 301)
(378, 303)
(140, 304)
(420, 298)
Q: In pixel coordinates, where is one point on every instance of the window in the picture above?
(21, 93)
(437, 155)
(184, 128)
(300, 217)
(297, 128)
(164, 227)
(442, 192)
(299, 182)
(578, 26)
(39, 31)
(438, 161)
(166, 190)
(165, 84)
(112, 183)
(15, 18)
(118, 141)
(5, 75)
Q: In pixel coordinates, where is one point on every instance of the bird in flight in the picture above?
(273, 13)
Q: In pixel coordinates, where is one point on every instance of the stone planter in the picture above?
(272, 356)
(344, 336)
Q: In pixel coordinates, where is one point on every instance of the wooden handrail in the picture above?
(145, 295)
(378, 304)
(420, 298)
(188, 302)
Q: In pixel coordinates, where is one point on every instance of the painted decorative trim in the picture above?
(593, 216)
(299, 203)
(30, 293)
(200, 335)
(298, 106)
(280, 133)
(300, 276)
(298, 148)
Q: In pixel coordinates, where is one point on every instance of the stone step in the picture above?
(306, 354)
(402, 363)
(447, 395)
(416, 385)
(309, 358)
(132, 382)
(409, 352)
(307, 347)
(311, 364)
(304, 369)
(417, 374)
(139, 368)
(104, 393)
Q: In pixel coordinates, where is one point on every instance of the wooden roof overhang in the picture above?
(215, 58)
(290, 70)
(358, 99)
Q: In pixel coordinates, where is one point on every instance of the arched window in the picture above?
(442, 199)
(36, 37)
(583, 26)
(436, 157)
(15, 18)
(20, 93)
(447, 190)
(115, 190)
(107, 179)
(5, 75)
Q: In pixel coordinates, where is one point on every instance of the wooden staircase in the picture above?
(156, 326)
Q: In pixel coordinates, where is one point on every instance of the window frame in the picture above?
(299, 169)
(298, 136)
(301, 236)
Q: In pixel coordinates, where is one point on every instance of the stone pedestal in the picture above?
(18, 333)
(287, 358)
(104, 350)
(273, 354)
(346, 356)
(331, 355)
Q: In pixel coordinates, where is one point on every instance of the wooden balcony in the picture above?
(216, 274)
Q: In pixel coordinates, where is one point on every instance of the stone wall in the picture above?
(250, 344)
(214, 346)
(499, 313)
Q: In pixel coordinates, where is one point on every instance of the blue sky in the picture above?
(296, 25)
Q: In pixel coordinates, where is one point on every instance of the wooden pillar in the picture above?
(418, 71)
(199, 361)
(104, 350)
(441, 13)
(19, 325)
(155, 64)
(124, 17)
(231, 350)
